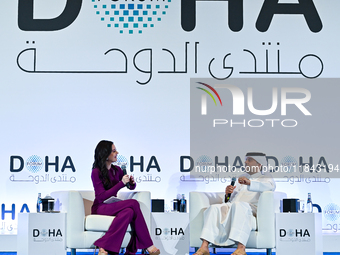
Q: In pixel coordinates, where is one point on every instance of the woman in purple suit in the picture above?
(107, 181)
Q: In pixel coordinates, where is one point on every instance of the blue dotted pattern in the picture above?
(291, 232)
(204, 161)
(166, 231)
(131, 17)
(289, 164)
(44, 232)
(332, 212)
(34, 164)
(121, 160)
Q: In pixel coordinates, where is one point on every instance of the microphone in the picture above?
(227, 197)
(124, 173)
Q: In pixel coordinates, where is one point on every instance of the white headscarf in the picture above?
(259, 157)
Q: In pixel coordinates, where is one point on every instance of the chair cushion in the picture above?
(99, 222)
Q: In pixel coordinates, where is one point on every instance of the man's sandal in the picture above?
(201, 252)
(238, 252)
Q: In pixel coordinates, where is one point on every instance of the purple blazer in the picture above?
(115, 174)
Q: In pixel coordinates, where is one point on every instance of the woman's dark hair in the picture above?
(101, 153)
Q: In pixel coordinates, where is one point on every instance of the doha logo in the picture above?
(204, 160)
(34, 164)
(130, 18)
(291, 232)
(332, 212)
(122, 161)
(289, 164)
(235, 14)
(127, 16)
(44, 232)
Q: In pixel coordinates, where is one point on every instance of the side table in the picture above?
(41, 233)
(299, 233)
(170, 232)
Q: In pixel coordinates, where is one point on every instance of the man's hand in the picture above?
(229, 189)
(244, 180)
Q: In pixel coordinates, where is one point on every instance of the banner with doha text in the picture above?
(176, 85)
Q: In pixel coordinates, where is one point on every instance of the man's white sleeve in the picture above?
(266, 184)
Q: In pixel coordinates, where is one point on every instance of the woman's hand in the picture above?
(125, 179)
(132, 180)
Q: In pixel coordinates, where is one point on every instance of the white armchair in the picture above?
(82, 228)
(262, 238)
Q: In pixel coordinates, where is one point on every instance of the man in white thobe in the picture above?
(231, 223)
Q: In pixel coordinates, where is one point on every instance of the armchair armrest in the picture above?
(198, 203)
(268, 204)
(71, 202)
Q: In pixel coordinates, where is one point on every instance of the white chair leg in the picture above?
(73, 251)
(269, 251)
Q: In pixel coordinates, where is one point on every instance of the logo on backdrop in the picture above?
(55, 170)
(289, 169)
(139, 165)
(204, 164)
(122, 161)
(290, 163)
(58, 170)
(34, 164)
(7, 227)
(135, 17)
(8, 213)
(129, 18)
(135, 166)
(204, 161)
(331, 212)
(269, 9)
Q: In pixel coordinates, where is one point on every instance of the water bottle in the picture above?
(183, 206)
(39, 202)
(178, 202)
(309, 207)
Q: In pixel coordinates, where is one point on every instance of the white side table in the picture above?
(170, 232)
(299, 233)
(41, 233)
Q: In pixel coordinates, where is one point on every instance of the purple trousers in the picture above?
(126, 212)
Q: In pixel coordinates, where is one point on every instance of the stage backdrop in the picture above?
(74, 72)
